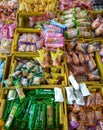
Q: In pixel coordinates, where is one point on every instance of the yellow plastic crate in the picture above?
(97, 59)
(16, 38)
(92, 88)
(6, 68)
(14, 64)
(4, 97)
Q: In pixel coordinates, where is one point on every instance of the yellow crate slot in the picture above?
(16, 38)
(4, 98)
(21, 55)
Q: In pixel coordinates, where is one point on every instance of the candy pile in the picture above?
(37, 110)
(76, 21)
(38, 6)
(53, 36)
(39, 22)
(30, 74)
(29, 42)
(6, 36)
(97, 5)
(8, 10)
(50, 58)
(81, 113)
(81, 61)
(66, 4)
(97, 26)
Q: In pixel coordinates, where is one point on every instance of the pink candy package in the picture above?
(56, 35)
(54, 42)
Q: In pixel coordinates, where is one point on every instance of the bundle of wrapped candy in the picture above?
(80, 108)
(97, 26)
(8, 10)
(66, 4)
(29, 42)
(81, 60)
(34, 109)
(38, 6)
(76, 21)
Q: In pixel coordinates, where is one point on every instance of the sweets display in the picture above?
(41, 112)
(30, 74)
(8, 10)
(49, 45)
(29, 42)
(81, 113)
(66, 4)
(38, 6)
(76, 21)
(81, 61)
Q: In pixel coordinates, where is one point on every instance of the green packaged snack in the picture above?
(38, 116)
(50, 114)
(22, 107)
(7, 109)
(43, 116)
(19, 89)
(44, 92)
(32, 116)
(26, 116)
(57, 121)
(11, 115)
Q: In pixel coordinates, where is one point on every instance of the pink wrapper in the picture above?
(52, 35)
(49, 40)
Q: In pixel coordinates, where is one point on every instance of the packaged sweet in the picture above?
(70, 94)
(19, 89)
(73, 82)
(58, 95)
(11, 95)
(99, 30)
(91, 117)
(96, 23)
(8, 82)
(72, 33)
(91, 100)
(98, 114)
(58, 24)
(73, 120)
(52, 81)
(79, 98)
(6, 45)
(99, 99)
(77, 108)
(84, 89)
(81, 126)
(85, 34)
(11, 115)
